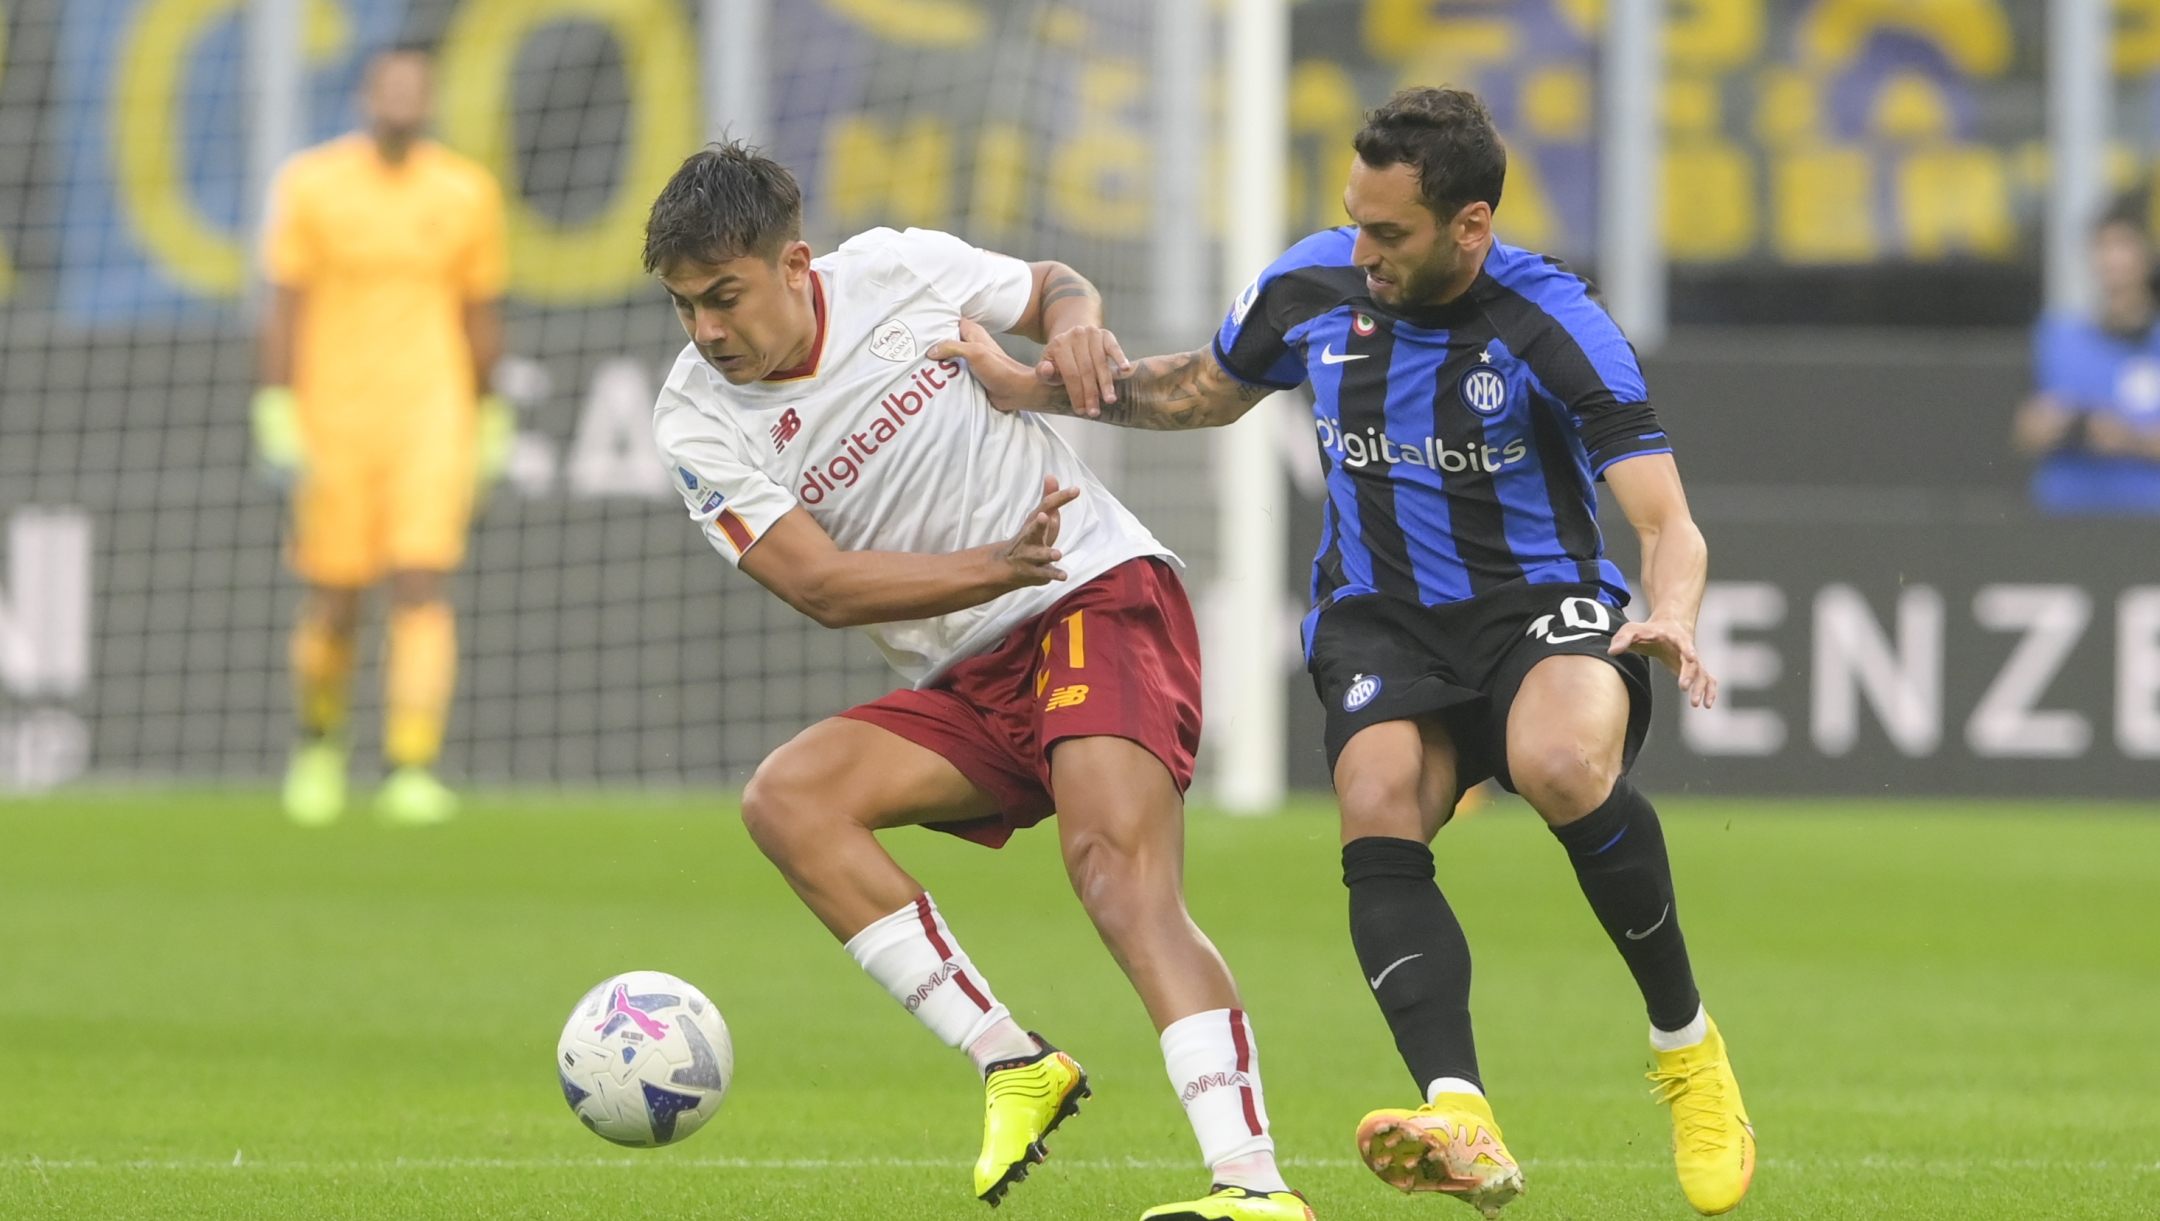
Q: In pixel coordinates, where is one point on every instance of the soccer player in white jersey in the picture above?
(829, 448)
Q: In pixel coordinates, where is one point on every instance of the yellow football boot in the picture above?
(1449, 1145)
(315, 783)
(1023, 1102)
(1236, 1204)
(1713, 1143)
(413, 797)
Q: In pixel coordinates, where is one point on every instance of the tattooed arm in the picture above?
(1064, 313)
(1165, 393)
(1061, 300)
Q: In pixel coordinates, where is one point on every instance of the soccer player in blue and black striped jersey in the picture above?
(1465, 622)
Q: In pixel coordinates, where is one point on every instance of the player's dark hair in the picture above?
(1447, 137)
(728, 200)
(402, 47)
(2132, 208)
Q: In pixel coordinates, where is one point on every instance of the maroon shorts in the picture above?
(1118, 657)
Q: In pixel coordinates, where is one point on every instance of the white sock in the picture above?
(1687, 1036)
(1214, 1066)
(1002, 1042)
(1451, 1085)
(915, 956)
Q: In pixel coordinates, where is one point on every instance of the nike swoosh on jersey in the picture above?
(1632, 935)
(1568, 639)
(1381, 978)
(1328, 356)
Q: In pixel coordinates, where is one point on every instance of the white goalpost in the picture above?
(1631, 245)
(1246, 645)
(277, 85)
(2079, 84)
(733, 33)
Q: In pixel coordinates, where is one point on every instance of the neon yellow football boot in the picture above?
(1023, 1102)
(413, 797)
(1236, 1204)
(315, 783)
(1713, 1142)
(1449, 1145)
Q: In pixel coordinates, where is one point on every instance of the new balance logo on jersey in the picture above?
(1580, 619)
(1066, 697)
(785, 430)
(1363, 449)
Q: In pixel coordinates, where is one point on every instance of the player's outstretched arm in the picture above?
(1166, 393)
(797, 560)
(1675, 565)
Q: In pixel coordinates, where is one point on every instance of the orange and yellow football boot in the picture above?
(1450, 1145)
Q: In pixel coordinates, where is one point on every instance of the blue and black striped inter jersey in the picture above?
(1460, 442)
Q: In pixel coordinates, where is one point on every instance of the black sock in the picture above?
(1408, 939)
(1618, 851)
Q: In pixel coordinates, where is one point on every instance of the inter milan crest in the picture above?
(1483, 390)
(1363, 688)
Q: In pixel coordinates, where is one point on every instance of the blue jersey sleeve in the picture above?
(2058, 357)
(1588, 362)
(1579, 355)
(1252, 345)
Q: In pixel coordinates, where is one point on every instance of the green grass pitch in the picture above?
(1937, 1011)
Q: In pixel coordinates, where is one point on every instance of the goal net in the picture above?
(145, 604)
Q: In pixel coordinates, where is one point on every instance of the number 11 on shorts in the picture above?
(1075, 659)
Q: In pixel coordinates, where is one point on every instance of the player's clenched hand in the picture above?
(1674, 644)
(1032, 555)
(1087, 361)
(1012, 386)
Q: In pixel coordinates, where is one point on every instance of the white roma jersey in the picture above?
(887, 450)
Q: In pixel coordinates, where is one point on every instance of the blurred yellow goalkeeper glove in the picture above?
(496, 432)
(279, 451)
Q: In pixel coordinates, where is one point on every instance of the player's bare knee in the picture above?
(1560, 779)
(1379, 801)
(779, 803)
(1120, 887)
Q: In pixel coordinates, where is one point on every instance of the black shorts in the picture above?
(1377, 658)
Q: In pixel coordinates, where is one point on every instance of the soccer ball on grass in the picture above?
(645, 1059)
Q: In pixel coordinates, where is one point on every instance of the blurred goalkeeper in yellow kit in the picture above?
(385, 257)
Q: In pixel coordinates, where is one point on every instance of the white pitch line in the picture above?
(1922, 1165)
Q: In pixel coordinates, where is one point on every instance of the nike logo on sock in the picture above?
(1381, 978)
(1328, 356)
(1632, 935)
